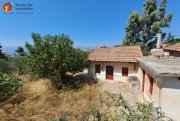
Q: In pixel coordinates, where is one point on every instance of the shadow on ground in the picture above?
(78, 81)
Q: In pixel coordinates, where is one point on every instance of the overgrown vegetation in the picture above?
(20, 51)
(171, 40)
(2, 54)
(53, 56)
(39, 101)
(12, 65)
(113, 107)
(8, 86)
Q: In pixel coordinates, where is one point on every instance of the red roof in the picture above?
(175, 47)
(117, 54)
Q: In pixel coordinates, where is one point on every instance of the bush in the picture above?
(53, 56)
(19, 64)
(8, 86)
(14, 64)
(4, 66)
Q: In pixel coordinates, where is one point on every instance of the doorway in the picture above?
(143, 80)
(109, 72)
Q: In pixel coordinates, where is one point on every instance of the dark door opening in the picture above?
(143, 80)
(109, 72)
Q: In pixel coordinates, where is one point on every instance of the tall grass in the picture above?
(38, 100)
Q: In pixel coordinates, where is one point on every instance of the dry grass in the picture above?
(38, 101)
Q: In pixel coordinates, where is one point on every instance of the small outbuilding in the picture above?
(160, 83)
(114, 63)
(174, 50)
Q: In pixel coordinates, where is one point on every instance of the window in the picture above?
(97, 68)
(124, 71)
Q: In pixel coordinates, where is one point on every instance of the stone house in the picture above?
(114, 63)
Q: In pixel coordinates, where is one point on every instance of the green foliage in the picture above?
(8, 86)
(132, 29)
(144, 48)
(2, 55)
(20, 51)
(64, 117)
(173, 41)
(14, 64)
(169, 37)
(144, 27)
(78, 60)
(4, 66)
(117, 45)
(19, 64)
(53, 56)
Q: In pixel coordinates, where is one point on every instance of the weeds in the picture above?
(38, 100)
(113, 107)
(8, 86)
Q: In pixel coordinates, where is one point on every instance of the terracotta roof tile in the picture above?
(175, 47)
(118, 54)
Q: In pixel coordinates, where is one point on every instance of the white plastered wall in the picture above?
(117, 70)
(170, 97)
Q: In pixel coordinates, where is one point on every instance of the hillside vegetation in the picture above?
(172, 41)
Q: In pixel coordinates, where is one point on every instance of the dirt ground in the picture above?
(131, 94)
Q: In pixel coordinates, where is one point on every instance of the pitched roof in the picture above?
(175, 47)
(117, 54)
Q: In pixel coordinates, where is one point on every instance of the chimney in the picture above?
(159, 38)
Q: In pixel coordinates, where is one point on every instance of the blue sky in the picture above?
(89, 23)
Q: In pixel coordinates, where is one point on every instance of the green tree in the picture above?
(144, 27)
(169, 37)
(20, 51)
(132, 29)
(172, 41)
(53, 56)
(2, 55)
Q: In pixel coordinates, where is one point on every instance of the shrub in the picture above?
(8, 86)
(19, 64)
(4, 66)
(53, 56)
(14, 64)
